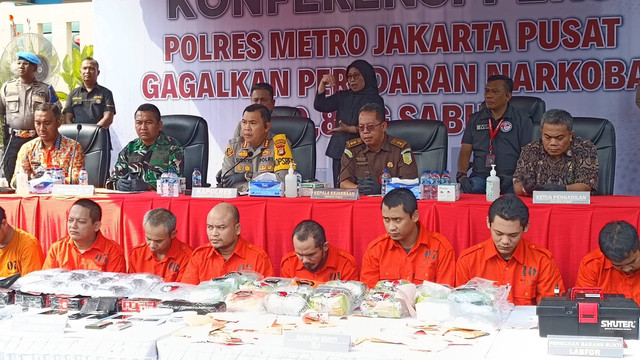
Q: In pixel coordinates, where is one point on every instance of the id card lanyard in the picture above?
(491, 158)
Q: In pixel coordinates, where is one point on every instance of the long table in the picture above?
(568, 231)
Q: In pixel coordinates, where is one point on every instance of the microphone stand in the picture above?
(73, 155)
(249, 155)
(4, 156)
(360, 150)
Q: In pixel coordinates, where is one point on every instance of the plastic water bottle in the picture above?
(58, 176)
(22, 183)
(164, 184)
(446, 178)
(290, 183)
(385, 179)
(428, 194)
(83, 177)
(196, 178)
(174, 184)
(298, 181)
(424, 183)
(435, 181)
(493, 185)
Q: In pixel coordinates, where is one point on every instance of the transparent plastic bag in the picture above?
(246, 300)
(288, 300)
(480, 304)
(268, 284)
(334, 300)
(381, 303)
(357, 288)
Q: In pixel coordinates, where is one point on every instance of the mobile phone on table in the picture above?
(120, 325)
(53, 312)
(78, 316)
(99, 325)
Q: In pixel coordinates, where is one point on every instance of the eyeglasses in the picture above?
(353, 77)
(368, 127)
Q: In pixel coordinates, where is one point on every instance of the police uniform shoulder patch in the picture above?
(398, 142)
(348, 153)
(229, 152)
(407, 157)
(354, 142)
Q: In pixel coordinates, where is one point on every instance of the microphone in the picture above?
(249, 155)
(360, 149)
(73, 155)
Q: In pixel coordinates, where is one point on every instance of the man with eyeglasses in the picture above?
(366, 157)
(18, 101)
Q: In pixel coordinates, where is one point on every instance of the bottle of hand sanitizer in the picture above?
(493, 185)
(291, 183)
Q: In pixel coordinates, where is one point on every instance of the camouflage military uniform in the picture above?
(148, 162)
(395, 154)
(273, 155)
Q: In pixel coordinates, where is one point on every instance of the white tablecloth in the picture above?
(135, 343)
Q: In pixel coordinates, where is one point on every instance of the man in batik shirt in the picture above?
(144, 159)
(50, 149)
(560, 161)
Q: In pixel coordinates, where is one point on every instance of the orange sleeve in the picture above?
(463, 271)
(264, 266)
(31, 258)
(548, 279)
(134, 261)
(588, 274)
(370, 272)
(184, 262)
(286, 267)
(446, 268)
(191, 272)
(117, 262)
(51, 262)
(349, 269)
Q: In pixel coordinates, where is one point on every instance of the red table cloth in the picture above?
(568, 231)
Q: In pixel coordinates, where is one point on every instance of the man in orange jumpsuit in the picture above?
(507, 258)
(85, 247)
(315, 259)
(408, 250)
(162, 253)
(20, 252)
(614, 267)
(227, 251)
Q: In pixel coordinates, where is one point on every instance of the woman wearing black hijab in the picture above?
(363, 89)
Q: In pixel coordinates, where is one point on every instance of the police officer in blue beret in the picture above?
(18, 100)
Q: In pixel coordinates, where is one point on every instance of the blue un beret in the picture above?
(29, 57)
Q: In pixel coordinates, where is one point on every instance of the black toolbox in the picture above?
(588, 312)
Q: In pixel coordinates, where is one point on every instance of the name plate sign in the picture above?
(214, 193)
(335, 194)
(562, 197)
(591, 346)
(317, 342)
(72, 190)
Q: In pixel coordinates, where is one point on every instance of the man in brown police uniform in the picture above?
(365, 158)
(257, 151)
